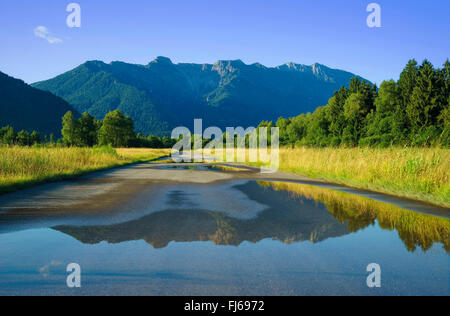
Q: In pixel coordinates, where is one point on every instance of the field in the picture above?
(417, 173)
(24, 166)
(142, 154)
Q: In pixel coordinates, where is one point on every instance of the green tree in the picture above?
(355, 114)
(444, 116)
(388, 99)
(87, 131)
(9, 136)
(168, 142)
(117, 130)
(426, 101)
(335, 113)
(317, 131)
(69, 129)
(155, 142)
(263, 124)
(381, 123)
(283, 124)
(408, 80)
(23, 138)
(35, 138)
(298, 128)
(413, 111)
(445, 73)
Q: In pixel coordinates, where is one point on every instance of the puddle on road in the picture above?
(232, 237)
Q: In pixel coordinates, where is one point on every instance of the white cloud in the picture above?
(43, 32)
(45, 270)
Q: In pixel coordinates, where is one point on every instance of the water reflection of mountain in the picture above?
(296, 213)
(288, 219)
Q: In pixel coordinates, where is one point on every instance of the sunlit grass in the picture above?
(418, 173)
(143, 154)
(24, 166)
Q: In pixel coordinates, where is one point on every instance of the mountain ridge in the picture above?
(162, 95)
(30, 109)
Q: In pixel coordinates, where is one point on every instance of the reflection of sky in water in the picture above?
(216, 198)
(34, 261)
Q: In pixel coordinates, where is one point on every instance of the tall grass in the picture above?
(24, 166)
(143, 154)
(417, 173)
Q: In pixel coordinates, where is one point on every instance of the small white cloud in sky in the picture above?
(43, 32)
(45, 270)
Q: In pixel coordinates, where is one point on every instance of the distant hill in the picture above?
(162, 95)
(28, 108)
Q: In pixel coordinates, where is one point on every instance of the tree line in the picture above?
(9, 136)
(413, 111)
(116, 130)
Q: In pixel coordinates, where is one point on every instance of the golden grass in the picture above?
(358, 212)
(143, 154)
(417, 173)
(24, 166)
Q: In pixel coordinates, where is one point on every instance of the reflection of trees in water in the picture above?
(296, 213)
(414, 229)
(285, 220)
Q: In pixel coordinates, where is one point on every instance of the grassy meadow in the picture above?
(417, 173)
(24, 166)
(142, 154)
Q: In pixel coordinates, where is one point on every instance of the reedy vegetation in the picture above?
(417, 173)
(420, 173)
(24, 166)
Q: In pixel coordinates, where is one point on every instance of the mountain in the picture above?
(160, 229)
(163, 95)
(28, 108)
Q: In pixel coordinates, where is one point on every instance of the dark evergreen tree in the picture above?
(407, 81)
(335, 113)
(427, 101)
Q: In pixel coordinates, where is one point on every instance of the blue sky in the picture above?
(271, 32)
